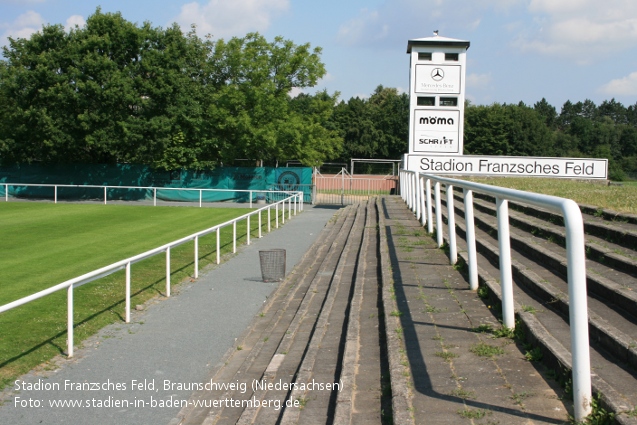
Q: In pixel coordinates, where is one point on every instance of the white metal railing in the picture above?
(251, 192)
(292, 203)
(416, 192)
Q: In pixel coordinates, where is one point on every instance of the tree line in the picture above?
(117, 92)
(378, 127)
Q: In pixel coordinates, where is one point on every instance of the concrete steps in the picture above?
(308, 347)
(450, 362)
(541, 291)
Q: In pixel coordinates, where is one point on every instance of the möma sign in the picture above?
(582, 168)
(436, 131)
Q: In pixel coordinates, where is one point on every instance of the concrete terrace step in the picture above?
(308, 338)
(539, 269)
(447, 364)
(375, 310)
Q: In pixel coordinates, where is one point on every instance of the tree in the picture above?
(250, 104)
(486, 130)
(109, 92)
(547, 112)
(374, 128)
(113, 91)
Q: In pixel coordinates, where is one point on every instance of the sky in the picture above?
(521, 50)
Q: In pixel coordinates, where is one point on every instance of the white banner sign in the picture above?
(436, 131)
(581, 168)
(443, 79)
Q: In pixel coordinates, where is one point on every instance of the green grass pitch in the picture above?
(43, 244)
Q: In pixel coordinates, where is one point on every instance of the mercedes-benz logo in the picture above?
(437, 74)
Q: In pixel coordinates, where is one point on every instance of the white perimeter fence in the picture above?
(275, 195)
(416, 192)
(294, 203)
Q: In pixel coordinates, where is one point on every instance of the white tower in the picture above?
(436, 92)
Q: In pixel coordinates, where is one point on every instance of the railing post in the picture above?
(430, 220)
(283, 212)
(200, 198)
(128, 292)
(104, 195)
(168, 272)
(423, 214)
(196, 257)
(276, 212)
(410, 185)
(578, 310)
(471, 239)
(248, 230)
(342, 188)
(69, 321)
(408, 188)
(418, 196)
(6, 193)
(234, 237)
(506, 279)
(55, 194)
(260, 234)
(218, 245)
(451, 224)
(414, 193)
(439, 237)
(155, 197)
(406, 179)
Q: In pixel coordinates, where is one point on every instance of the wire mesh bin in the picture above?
(272, 264)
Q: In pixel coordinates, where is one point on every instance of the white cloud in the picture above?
(73, 21)
(581, 29)
(395, 21)
(626, 86)
(225, 19)
(295, 91)
(22, 27)
(478, 81)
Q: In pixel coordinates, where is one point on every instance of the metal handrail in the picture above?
(417, 195)
(294, 202)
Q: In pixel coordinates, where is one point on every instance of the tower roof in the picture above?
(436, 41)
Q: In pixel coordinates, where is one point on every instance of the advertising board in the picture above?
(510, 166)
(444, 79)
(436, 131)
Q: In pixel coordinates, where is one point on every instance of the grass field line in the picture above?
(42, 243)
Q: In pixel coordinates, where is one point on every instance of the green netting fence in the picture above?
(231, 179)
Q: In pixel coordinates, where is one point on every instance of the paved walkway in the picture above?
(169, 347)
